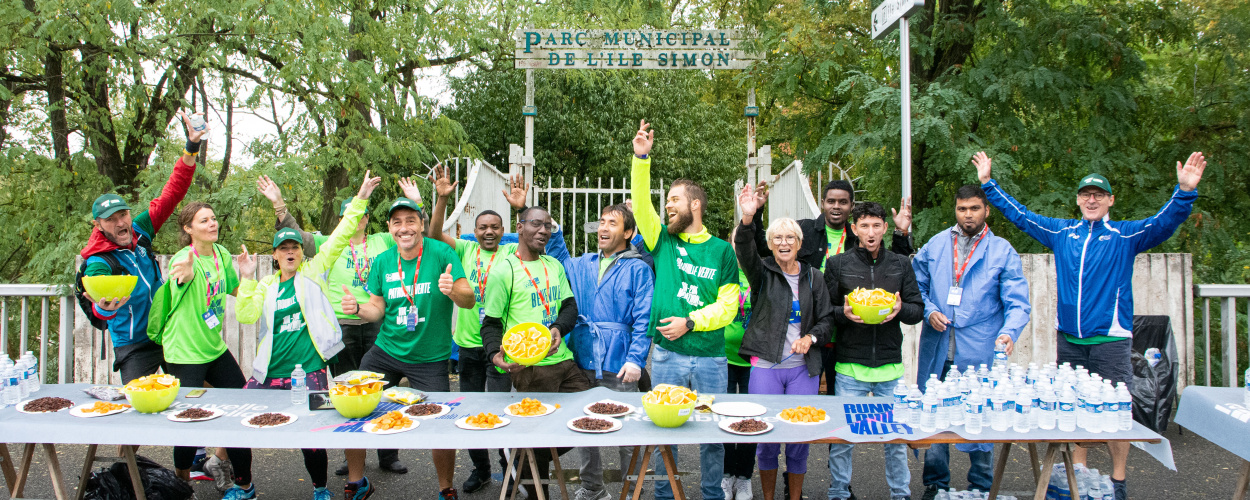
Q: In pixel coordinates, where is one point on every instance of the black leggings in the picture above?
(223, 372)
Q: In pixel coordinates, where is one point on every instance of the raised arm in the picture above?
(1043, 229)
(443, 188)
(647, 218)
(1150, 232)
(273, 193)
(332, 247)
(747, 236)
(175, 189)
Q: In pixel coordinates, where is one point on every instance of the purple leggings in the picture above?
(783, 381)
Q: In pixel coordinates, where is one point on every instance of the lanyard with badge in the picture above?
(362, 271)
(411, 319)
(841, 241)
(214, 288)
(956, 293)
(546, 279)
(481, 280)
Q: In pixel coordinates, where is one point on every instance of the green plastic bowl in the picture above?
(153, 401)
(668, 415)
(109, 287)
(533, 360)
(870, 314)
(356, 406)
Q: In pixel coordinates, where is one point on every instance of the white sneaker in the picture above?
(742, 489)
(727, 484)
(221, 471)
(584, 494)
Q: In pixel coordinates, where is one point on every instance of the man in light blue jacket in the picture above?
(613, 288)
(975, 295)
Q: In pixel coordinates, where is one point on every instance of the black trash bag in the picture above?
(159, 483)
(1154, 387)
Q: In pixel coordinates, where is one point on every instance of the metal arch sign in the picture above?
(885, 17)
(632, 49)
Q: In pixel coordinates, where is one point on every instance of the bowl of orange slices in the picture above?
(872, 306)
(153, 393)
(527, 343)
(357, 393)
(669, 405)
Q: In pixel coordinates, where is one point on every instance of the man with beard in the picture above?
(530, 287)
(975, 295)
(610, 344)
(869, 358)
(696, 297)
(121, 244)
(477, 372)
(1094, 266)
(412, 295)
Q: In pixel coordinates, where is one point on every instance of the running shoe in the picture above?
(448, 494)
(237, 493)
(322, 494)
(358, 491)
(221, 471)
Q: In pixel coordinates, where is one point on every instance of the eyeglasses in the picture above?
(1096, 195)
(789, 238)
(537, 224)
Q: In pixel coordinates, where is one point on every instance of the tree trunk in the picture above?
(101, 137)
(55, 83)
(225, 159)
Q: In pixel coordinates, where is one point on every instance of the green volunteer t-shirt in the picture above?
(191, 336)
(352, 269)
(834, 241)
(688, 277)
(511, 295)
(1095, 340)
(604, 264)
(430, 337)
(883, 373)
(478, 263)
(292, 344)
(735, 330)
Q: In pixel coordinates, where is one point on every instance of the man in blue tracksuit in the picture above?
(1094, 266)
(613, 288)
(975, 295)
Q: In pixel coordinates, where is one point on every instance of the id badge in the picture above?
(211, 320)
(955, 296)
(412, 320)
(481, 314)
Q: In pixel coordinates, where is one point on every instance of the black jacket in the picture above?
(815, 242)
(771, 300)
(872, 345)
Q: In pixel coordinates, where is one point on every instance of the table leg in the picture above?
(6, 466)
(642, 470)
(54, 472)
(999, 466)
(1243, 481)
(559, 470)
(1033, 460)
(1043, 479)
(1067, 464)
(19, 486)
(633, 462)
(674, 479)
(87, 465)
(507, 473)
(538, 483)
(129, 453)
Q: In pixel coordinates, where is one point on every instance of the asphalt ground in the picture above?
(1204, 470)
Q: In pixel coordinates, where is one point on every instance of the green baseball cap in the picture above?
(106, 205)
(402, 202)
(343, 206)
(287, 234)
(1096, 180)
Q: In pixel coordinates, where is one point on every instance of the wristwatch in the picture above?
(689, 324)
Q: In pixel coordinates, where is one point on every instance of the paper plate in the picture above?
(616, 425)
(739, 409)
(445, 410)
(461, 424)
(632, 409)
(548, 409)
(369, 428)
(724, 426)
(803, 423)
(77, 411)
(288, 422)
(216, 413)
(22, 408)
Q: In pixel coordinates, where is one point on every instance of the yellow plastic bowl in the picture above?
(872, 315)
(533, 360)
(107, 287)
(668, 415)
(153, 401)
(356, 406)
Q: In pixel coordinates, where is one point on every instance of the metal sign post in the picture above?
(885, 18)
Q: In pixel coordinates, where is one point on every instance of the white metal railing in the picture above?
(1227, 296)
(45, 294)
(577, 208)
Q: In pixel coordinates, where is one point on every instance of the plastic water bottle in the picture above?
(12, 387)
(1094, 403)
(998, 411)
(1108, 488)
(1037, 403)
(1246, 394)
(23, 375)
(1067, 410)
(959, 394)
(971, 374)
(35, 383)
(299, 385)
(1125, 401)
(1110, 409)
(1024, 408)
(973, 412)
(1047, 408)
(1031, 376)
(929, 403)
(900, 403)
(914, 408)
(943, 418)
(983, 373)
(1000, 354)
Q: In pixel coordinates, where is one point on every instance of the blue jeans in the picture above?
(937, 471)
(897, 475)
(702, 375)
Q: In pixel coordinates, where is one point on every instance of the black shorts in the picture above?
(1112, 360)
(432, 377)
(138, 360)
